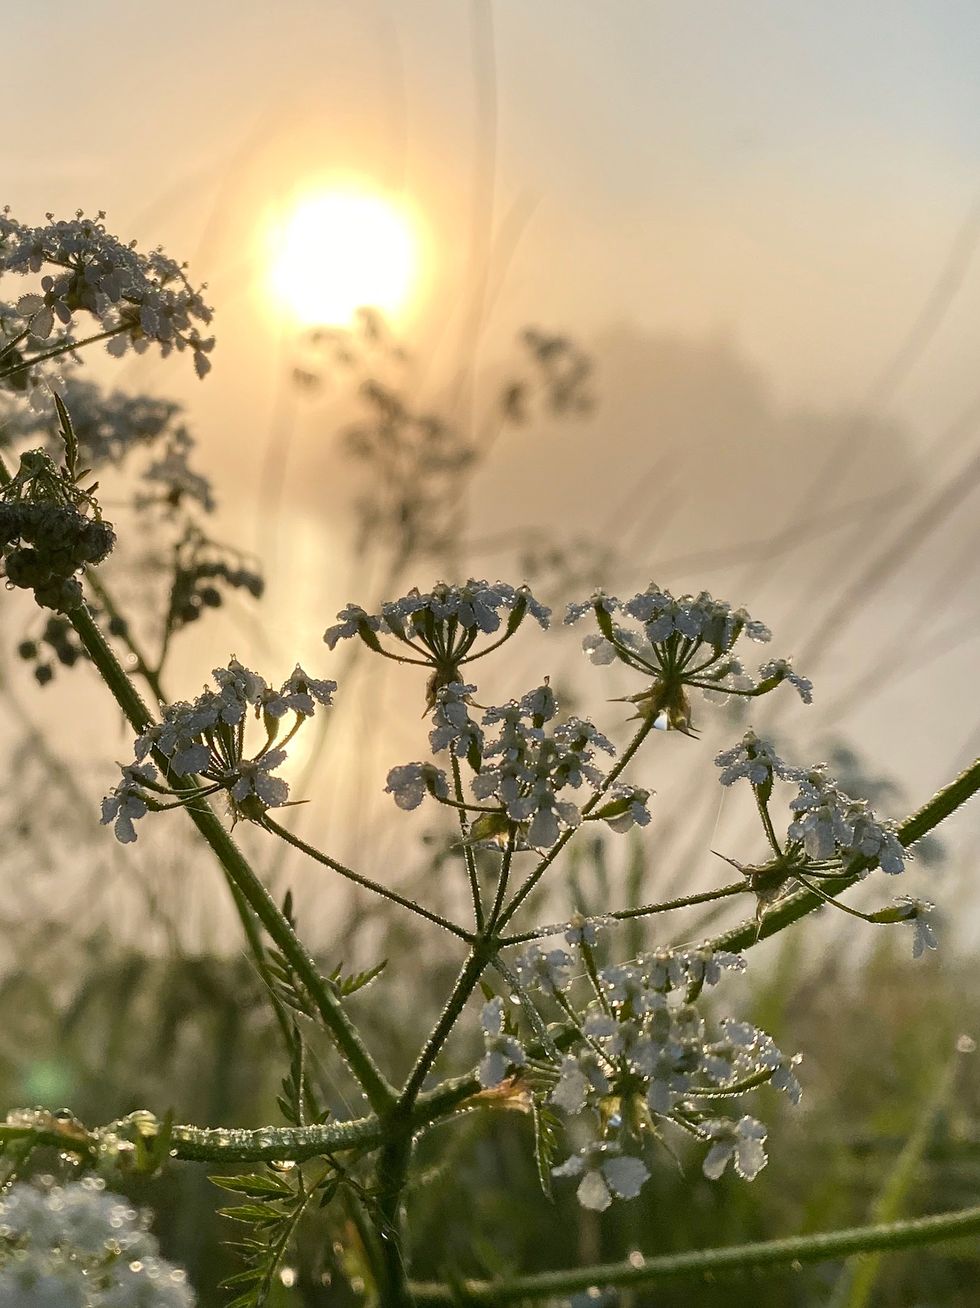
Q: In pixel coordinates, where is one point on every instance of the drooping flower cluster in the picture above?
(641, 1054)
(140, 298)
(680, 643)
(78, 1246)
(523, 770)
(206, 738)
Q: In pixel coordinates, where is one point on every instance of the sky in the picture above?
(794, 174)
(761, 216)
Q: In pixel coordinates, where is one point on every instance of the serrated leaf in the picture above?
(253, 1214)
(254, 1185)
(248, 1277)
(351, 984)
(545, 1142)
(67, 435)
(246, 1300)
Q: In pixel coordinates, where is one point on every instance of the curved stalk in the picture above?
(710, 1264)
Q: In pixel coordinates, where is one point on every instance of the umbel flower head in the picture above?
(439, 629)
(683, 644)
(642, 1057)
(525, 768)
(830, 831)
(205, 738)
(136, 298)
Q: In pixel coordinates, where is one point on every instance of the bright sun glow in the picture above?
(339, 251)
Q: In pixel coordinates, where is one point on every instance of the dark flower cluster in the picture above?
(44, 544)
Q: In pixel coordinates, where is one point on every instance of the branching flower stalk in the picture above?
(618, 1050)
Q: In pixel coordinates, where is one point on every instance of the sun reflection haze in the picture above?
(340, 249)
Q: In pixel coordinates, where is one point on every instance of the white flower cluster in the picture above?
(643, 1052)
(443, 624)
(520, 765)
(77, 1246)
(755, 760)
(685, 641)
(206, 737)
(143, 298)
(829, 825)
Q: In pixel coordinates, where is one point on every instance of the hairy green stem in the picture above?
(272, 826)
(345, 1036)
(644, 910)
(710, 1264)
(66, 348)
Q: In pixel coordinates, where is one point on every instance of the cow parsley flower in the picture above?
(503, 1051)
(741, 1143)
(918, 915)
(681, 642)
(605, 1173)
(78, 1246)
(410, 783)
(830, 825)
(205, 738)
(440, 628)
(756, 760)
(127, 801)
(139, 297)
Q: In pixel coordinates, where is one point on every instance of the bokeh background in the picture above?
(753, 230)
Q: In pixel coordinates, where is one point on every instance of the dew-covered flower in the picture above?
(206, 738)
(411, 782)
(741, 1143)
(300, 694)
(138, 297)
(354, 621)
(126, 802)
(831, 825)
(78, 1246)
(679, 643)
(754, 759)
(605, 1172)
(440, 627)
(581, 1081)
(626, 808)
(547, 970)
(782, 670)
(453, 728)
(255, 782)
(918, 914)
(503, 1050)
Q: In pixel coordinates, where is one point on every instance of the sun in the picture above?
(341, 250)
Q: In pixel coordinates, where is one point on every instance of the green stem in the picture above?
(796, 906)
(149, 675)
(709, 1264)
(468, 855)
(63, 349)
(270, 825)
(345, 1036)
(644, 910)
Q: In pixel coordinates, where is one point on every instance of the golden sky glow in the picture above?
(339, 250)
